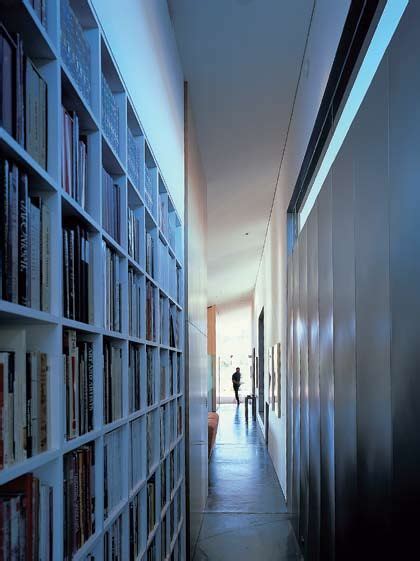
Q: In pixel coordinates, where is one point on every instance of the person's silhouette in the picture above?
(236, 381)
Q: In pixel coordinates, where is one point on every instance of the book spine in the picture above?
(45, 258)
(23, 253)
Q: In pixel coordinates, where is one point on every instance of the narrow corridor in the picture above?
(245, 517)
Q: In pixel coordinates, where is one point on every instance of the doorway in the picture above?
(261, 353)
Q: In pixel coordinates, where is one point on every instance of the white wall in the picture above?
(270, 291)
(142, 40)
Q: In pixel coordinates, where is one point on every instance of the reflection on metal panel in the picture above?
(326, 377)
(289, 385)
(296, 391)
(304, 410)
(373, 319)
(313, 387)
(344, 350)
(404, 169)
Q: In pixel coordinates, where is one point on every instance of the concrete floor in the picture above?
(246, 517)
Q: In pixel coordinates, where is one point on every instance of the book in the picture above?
(112, 292)
(135, 527)
(150, 311)
(134, 374)
(7, 69)
(112, 382)
(75, 49)
(136, 452)
(78, 382)
(134, 239)
(150, 264)
(150, 376)
(112, 470)
(135, 308)
(35, 118)
(113, 540)
(151, 504)
(110, 206)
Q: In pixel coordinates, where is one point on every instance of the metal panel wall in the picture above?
(326, 372)
(360, 256)
(345, 437)
(304, 409)
(373, 383)
(314, 519)
(404, 169)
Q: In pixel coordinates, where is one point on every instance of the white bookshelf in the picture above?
(44, 330)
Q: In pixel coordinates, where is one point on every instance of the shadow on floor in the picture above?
(246, 517)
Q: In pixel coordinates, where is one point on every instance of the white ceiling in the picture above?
(241, 59)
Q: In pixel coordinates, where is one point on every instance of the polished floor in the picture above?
(246, 517)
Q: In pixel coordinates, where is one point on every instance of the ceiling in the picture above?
(242, 60)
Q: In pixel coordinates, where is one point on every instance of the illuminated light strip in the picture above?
(387, 25)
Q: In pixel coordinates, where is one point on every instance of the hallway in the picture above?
(246, 516)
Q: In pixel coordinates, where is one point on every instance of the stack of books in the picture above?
(77, 274)
(134, 303)
(134, 158)
(75, 49)
(135, 527)
(134, 244)
(24, 241)
(74, 159)
(78, 377)
(79, 498)
(26, 530)
(110, 206)
(112, 471)
(23, 400)
(112, 382)
(110, 116)
(23, 95)
(134, 377)
(112, 290)
(113, 539)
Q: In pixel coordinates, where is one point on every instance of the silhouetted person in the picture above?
(236, 381)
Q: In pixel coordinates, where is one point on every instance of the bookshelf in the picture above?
(105, 314)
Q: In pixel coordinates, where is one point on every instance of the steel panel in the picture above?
(304, 409)
(296, 393)
(404, 169)
(345, 434)
(326, 371)
(314, 519)
(289, 376)
(373, 384)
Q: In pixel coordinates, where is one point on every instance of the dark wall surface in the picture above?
(354, 331)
